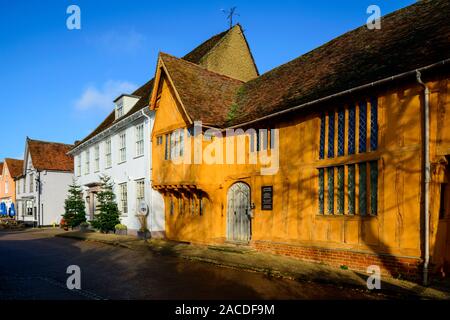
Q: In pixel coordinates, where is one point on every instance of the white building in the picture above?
(42, 188)
(121, 149)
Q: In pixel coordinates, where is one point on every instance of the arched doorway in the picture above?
(239, 222)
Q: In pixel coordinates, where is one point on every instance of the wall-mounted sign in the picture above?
(267, 198)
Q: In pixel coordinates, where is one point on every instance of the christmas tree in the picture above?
(75, 209)
(108, 211)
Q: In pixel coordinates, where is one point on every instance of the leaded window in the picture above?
(351, 189)
(341, 132)
(330, 198)
(340, 190)
(351, 129)
(331, 124)
(362, 127)
(321, 191)
(362, 171)
(373, 124)
(322, 137)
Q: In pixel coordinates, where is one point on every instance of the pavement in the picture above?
(274, 266)
(34, 264)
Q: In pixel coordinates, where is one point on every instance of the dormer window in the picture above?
(120, 110)
(124, 104)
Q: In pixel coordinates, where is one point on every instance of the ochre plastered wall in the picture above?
(397, 228)
(6, 177)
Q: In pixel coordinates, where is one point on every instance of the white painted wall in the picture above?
(133, 169)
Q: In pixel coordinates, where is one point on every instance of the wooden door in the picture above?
(238, 214)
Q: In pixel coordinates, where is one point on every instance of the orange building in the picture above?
(9, 170)
(338, 172)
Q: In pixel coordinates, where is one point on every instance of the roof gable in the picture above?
(204, 95)
(14, 166)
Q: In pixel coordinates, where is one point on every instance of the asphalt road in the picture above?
(34, 265)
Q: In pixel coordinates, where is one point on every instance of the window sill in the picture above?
(140, 156)
(122, 162)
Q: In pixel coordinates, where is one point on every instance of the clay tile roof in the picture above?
(145, 91)
(15, 167)
(196, 55)
(50, 155)
(413, 37)
(203, 93)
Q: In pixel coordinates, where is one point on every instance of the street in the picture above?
(34, 265)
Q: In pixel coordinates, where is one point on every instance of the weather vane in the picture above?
(230, 14)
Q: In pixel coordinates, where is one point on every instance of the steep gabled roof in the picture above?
(15, 167)
(50, 155)
(203, 94)
(413, 37)
(145, 91)
(196, 55)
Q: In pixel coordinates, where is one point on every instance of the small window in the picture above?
(123, 189)
(78, 160)
(120, 110)
(139, 140)
(122, 147)
(87, 162)
(140, 192)
(108, 154)
(159, 140)
(167, 148)
(97, 158)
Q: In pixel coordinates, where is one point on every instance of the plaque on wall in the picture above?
(267, 198)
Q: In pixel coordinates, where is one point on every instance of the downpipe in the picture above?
(427, 169)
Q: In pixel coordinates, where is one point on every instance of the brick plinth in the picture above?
(390, 265)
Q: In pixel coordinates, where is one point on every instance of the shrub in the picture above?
(108, 216)
(121, 227)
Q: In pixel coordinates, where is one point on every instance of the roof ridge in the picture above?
(43, 141)
(201, 67)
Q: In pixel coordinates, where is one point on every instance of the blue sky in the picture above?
(58, 85)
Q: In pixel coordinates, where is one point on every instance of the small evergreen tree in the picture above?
(108, 211)
(75, 209)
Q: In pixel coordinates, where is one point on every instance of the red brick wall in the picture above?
(406, 268)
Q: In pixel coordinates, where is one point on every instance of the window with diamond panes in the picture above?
(373, 124)
(331, 124)
(362, 141)
(351, 189)
(322, 137)
(351, 129)
(362, 172)
(330, 187)
(340, 190)
(321, 191)
(341, 132)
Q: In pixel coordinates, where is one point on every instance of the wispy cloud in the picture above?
(119, 41)
(102, 98)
